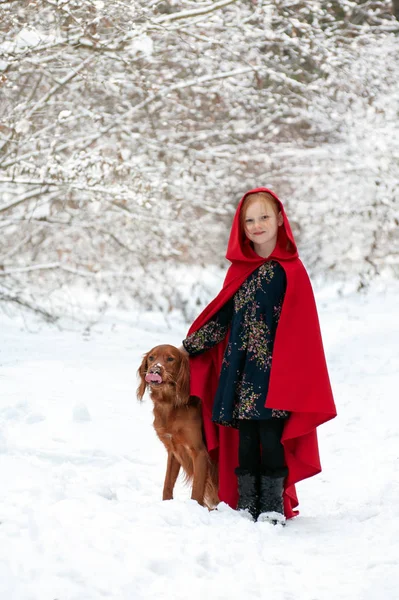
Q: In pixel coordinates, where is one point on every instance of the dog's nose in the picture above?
(155, 369)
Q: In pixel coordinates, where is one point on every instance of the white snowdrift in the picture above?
(82, 472)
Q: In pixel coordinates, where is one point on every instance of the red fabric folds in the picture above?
(299, 379)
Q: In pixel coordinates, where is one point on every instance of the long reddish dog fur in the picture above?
(178, 422)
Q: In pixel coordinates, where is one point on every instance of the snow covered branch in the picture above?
(129, 130)
(187, 14)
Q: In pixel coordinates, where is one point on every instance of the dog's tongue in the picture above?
(153, 378)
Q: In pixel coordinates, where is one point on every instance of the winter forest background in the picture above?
(130, 129)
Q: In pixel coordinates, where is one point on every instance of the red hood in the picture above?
(239, 248)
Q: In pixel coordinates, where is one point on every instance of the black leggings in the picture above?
(260, 447)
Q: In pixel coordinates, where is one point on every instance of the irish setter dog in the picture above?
(178, 422)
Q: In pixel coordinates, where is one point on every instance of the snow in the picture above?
(26, 38)
(82, 474)
(142, 44)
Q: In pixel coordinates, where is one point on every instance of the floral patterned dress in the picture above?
(252, 316)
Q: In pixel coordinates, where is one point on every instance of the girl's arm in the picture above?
(210, 334)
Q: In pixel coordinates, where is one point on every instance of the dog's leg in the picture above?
(172, 471)
(200, 462)
(211, 486)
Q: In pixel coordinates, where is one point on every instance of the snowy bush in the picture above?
(130, 130)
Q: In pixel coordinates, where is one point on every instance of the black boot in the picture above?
(248, 497)
(271, 507)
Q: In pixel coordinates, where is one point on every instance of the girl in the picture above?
(257, 362)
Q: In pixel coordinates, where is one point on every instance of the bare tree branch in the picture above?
(27, 304)
(24, 198)
(74, 72)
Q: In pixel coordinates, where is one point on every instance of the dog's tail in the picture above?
(211, 498)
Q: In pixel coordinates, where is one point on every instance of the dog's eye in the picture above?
(151, 357)
(170, 359)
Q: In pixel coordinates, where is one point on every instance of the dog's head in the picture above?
(165, 368)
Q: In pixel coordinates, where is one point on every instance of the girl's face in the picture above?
(261, 223)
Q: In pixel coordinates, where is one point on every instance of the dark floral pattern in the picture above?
(251, 317)
(246, 407)
(225, 362)
(257, 343)
(245, 294)
(277, 310)
(280, 414)
(209, 335)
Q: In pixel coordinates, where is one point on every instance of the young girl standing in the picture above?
(257, 362)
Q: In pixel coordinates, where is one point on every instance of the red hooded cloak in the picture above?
(299, 379)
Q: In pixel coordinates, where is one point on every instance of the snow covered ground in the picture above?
(82, 472)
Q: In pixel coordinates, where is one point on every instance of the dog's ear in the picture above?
(141, 372)
(183, 379)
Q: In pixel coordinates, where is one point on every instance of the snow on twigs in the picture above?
(131, 130)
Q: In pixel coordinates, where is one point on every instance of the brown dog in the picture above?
(178, 422)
